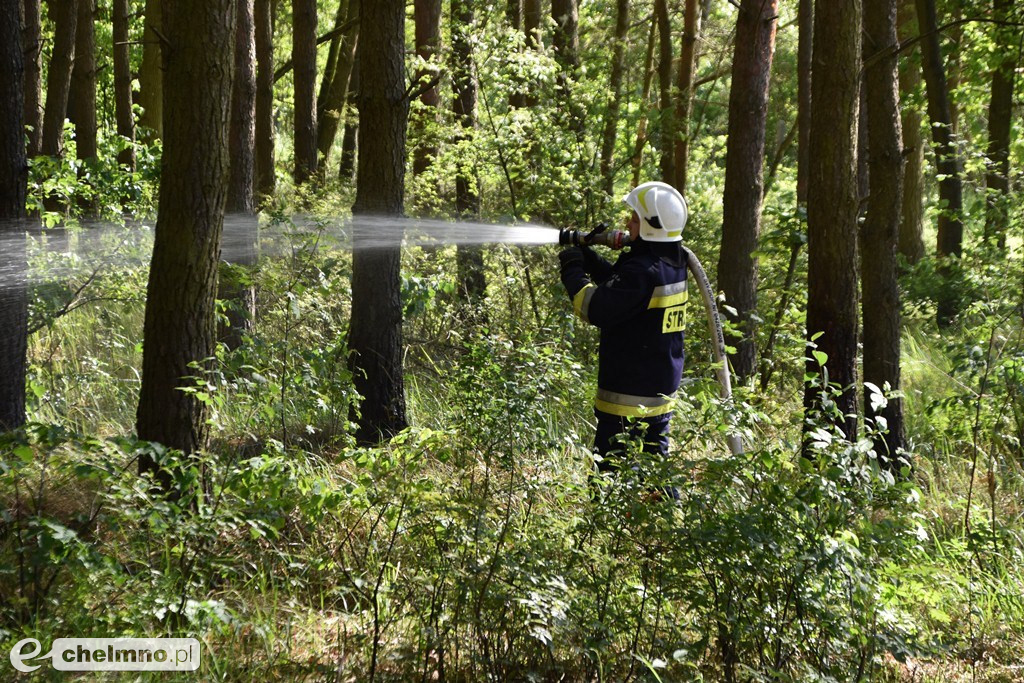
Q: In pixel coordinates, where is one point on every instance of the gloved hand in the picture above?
(570, 256)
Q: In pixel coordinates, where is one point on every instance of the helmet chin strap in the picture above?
(717, 343)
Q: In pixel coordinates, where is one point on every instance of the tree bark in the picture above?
(744, 169)
(611, 121)
(151, 75)
(304, 57)
(82, 92)
(514, 14)
(32, 45)
(179, 322)
(264, 26)
(64, 14)
(1000, 117)
(911, 243)
(532, 15)
(469, 259)
(334, 104)
(804, 70)
(666, 113)
(242, 134)
(123, 83)
(13, 179)
(428, 46)
(880, 233)
(684, 94)
(375, 337)
(327, 77)
(832, 209)
(645, 97)
(947, 162)
(347, 164)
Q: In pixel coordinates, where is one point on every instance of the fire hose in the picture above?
(617, 239)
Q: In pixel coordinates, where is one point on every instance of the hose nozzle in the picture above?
(614, 239)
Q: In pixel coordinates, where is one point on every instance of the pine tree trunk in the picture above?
(947, 162)
(911, 243)
(375, 337)
(334, 104)
(1000, 117)
(151, 75)
(744, 168)
(611, 121)
(123, 83)
(428, 46)
(82, 92)
(469, 259)
(13, 178)
(304, 58)
(532, 16)
(645, 97)
(32, 45)
(880, 304)
(347, 163)
(684, 94)
(264, 25)
(327, 77)
(666, 113)
(514, 14)
(64, 14)
(179, 323)
(804, 69)
(832, 207)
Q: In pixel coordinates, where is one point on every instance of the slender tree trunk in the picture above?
(666, 113)
(64, 14)
(242, 232)
(532, 15)
(82, 92)
(327, 77)
(832, 208)
(334, 105)
(179, 323)
(804, 70)
(304, 57)
(565, 36)
(911, 243)
(347, 164)
(469, 260)
(32, 44)
(242, 134)
(741, 225)
(880, 232)
(375, 337)
(123, 83)
(684, 94)
(611, 121)
(514, 14)
(264, 24)
(428, 46)
(151, 75)
(645, 97)
(947, 162)
(1000, 117)
(13, 178)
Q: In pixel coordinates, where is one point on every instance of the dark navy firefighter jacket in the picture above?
(638, 303)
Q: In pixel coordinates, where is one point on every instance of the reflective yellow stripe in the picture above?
(666, 296)
(627, 405)
(632, 411)
(581, 302)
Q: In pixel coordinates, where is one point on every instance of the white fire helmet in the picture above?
(662, 211)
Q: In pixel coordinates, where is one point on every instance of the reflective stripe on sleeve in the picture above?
(666, 296)
(627, 405)
(581, 302)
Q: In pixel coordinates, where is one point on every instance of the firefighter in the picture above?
(638, 304)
